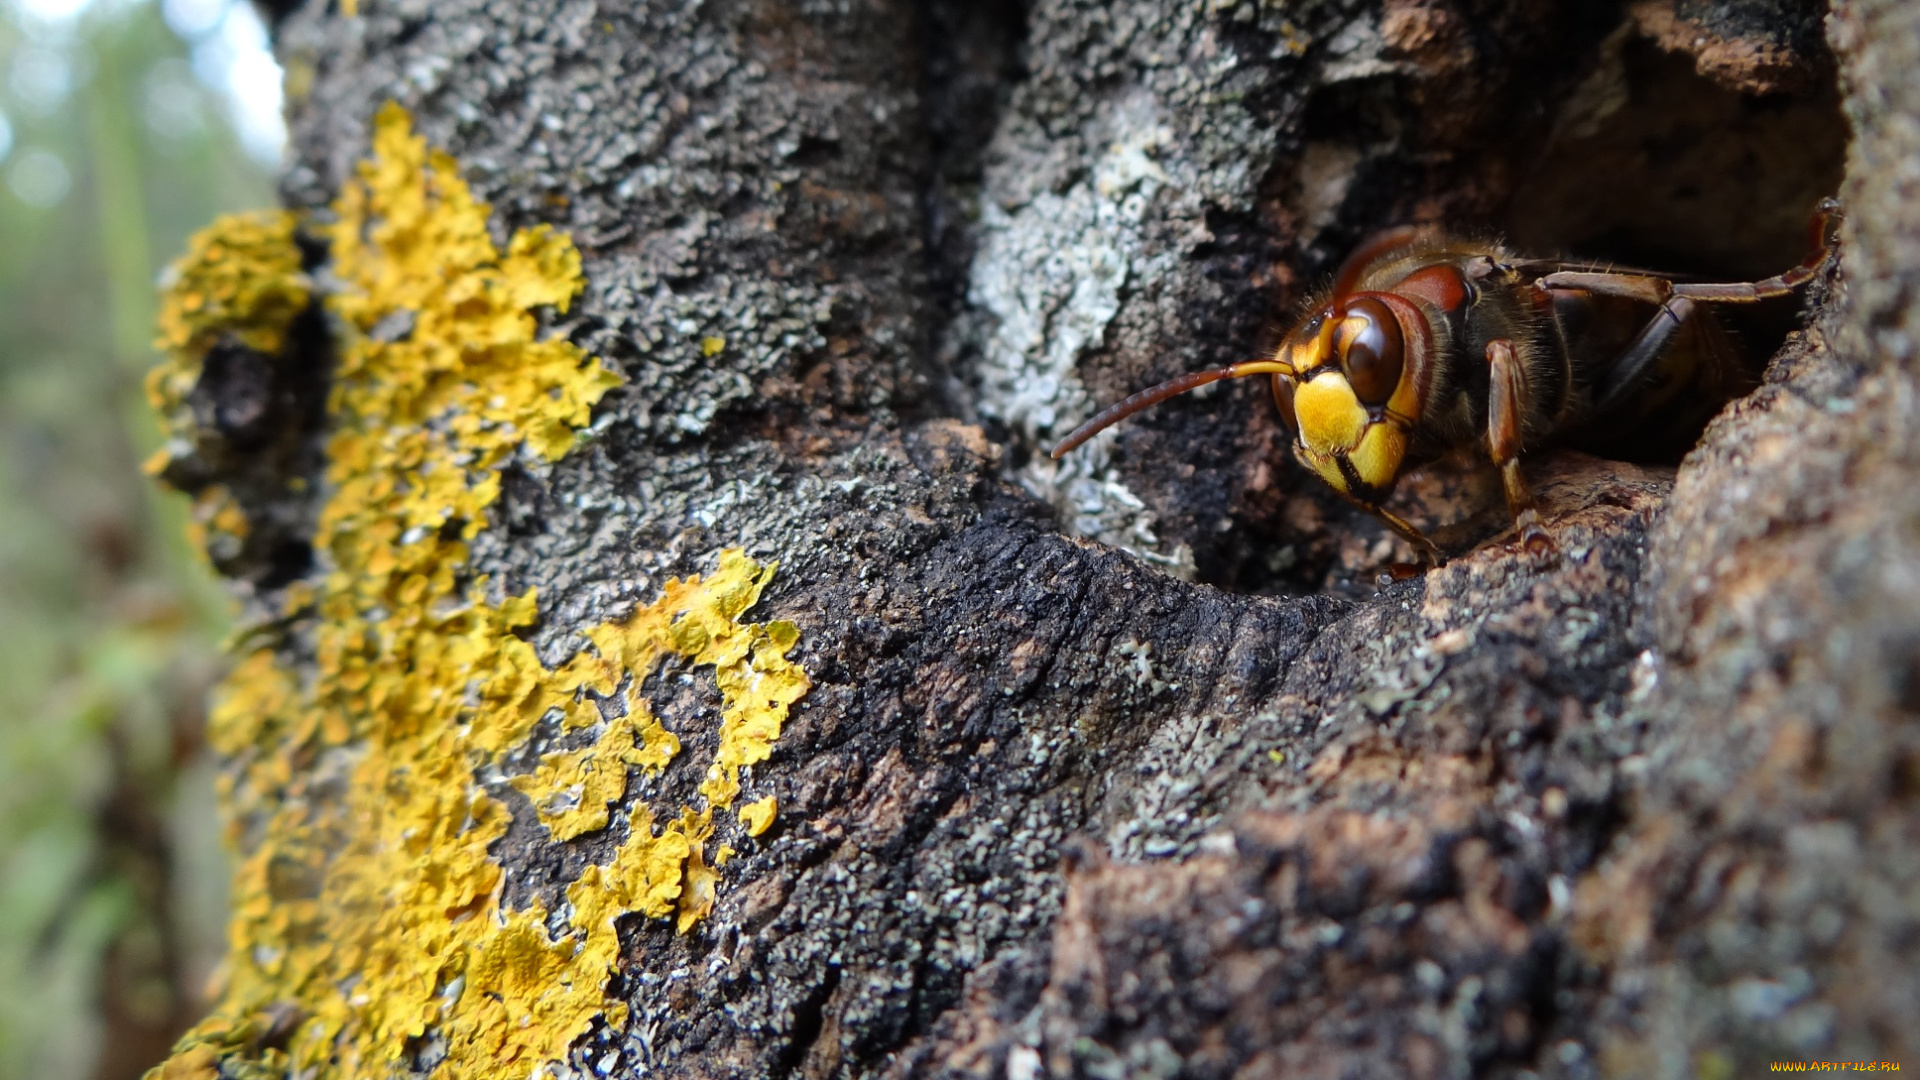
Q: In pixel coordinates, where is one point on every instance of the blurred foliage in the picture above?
(112, 882)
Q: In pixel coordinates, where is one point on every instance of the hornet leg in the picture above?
(1503, 443)
(1677, 299)
(1640, 355)
(1423, 548)
(1824, 237)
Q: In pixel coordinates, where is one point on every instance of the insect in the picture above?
(1427, 342)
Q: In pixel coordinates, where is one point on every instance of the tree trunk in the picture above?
(1120, 765)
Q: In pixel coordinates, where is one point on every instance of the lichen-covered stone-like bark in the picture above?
(675, 654)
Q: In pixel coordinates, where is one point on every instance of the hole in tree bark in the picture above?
(1638, 160)
(1674, 172)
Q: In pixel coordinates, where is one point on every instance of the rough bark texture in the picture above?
(1056, 808)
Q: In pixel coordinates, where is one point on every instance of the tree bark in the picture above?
(1125, 765)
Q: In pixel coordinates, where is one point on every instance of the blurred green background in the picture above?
(124, 126)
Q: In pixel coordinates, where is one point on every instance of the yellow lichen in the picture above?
(366, 903)
(758, 815)
(240, 280)
(218, 526)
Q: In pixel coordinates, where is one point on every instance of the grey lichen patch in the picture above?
(707, 199)
(1048, 279)
(1063, 251)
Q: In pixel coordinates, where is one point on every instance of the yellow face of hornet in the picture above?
(1341, 399)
